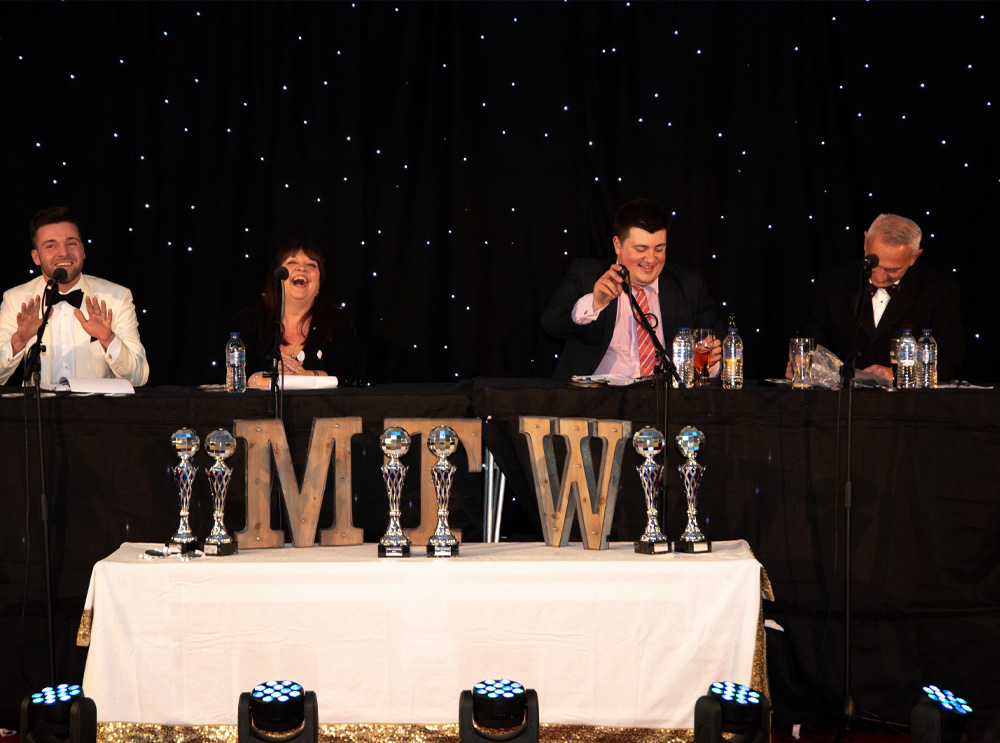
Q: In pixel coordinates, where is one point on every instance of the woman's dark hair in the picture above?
(323, 316)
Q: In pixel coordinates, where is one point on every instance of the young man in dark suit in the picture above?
(590, 312)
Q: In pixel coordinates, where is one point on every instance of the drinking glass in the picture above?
(800, 355)
(703, 340)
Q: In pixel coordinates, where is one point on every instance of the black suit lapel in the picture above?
(867, 318)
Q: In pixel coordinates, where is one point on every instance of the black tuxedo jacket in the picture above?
(926, 299)
(684, 302)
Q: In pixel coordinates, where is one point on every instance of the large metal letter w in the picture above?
(592, 498)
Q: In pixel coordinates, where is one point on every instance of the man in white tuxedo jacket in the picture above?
(93, 330)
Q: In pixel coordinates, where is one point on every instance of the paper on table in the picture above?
(616, 380)
(97, 385)
(308, 382)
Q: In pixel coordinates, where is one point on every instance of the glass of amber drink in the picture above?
(703, 340)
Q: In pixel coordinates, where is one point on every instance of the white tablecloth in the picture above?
(605, 638)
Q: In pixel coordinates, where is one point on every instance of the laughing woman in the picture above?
(317, 338)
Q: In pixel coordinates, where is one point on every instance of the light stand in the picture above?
(939, 717)
(60, 714)
(498, 710)
(743, 714)
(277, 712)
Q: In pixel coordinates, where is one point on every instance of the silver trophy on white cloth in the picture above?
(395, 442)
(689, 441)
(649, 443)
(442, 442)
(220, 445)
(185, 443)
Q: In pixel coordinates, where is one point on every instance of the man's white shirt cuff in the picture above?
(583, 311)
(114, 348)
(7, 355)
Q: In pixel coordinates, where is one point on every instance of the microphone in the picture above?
(59, 276)
(871, 261)
(281, 273)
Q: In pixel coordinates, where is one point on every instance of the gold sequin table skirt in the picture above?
(116, 732)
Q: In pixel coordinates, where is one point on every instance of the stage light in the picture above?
(498, 709)
(741, 712)
(278, 711)
(59, 714)
(939, 717)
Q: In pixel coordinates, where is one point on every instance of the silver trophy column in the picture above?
(220, 444)
(690, 441)
(649, 443)
(442, 442)
(185, 443)
(395, 442)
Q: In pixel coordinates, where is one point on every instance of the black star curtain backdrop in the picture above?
(451, 158)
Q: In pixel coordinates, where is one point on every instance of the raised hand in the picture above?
(98, 321)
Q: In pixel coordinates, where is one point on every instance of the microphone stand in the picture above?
(664, 370)
(277, 390)
(849, 709)
(33, 375)
(274, 404)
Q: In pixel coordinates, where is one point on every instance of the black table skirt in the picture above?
(926, 508)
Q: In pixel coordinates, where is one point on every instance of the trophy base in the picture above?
(402, 550)
(442, 550)
(222, 550)
(651, 548)
(180, 548)
(704, 545)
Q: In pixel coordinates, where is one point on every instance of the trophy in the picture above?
(690, 441)
(649, 443)
(442, 442)
(185, 443)
(395, 442)
(220, 444)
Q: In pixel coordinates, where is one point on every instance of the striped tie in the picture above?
(647, 353)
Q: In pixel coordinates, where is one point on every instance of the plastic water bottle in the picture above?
(906, 361)
(236, 364)
(684, 356)
(927, 360)
(732, 360)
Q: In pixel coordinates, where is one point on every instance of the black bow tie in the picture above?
(74, 297)
(891, 289)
